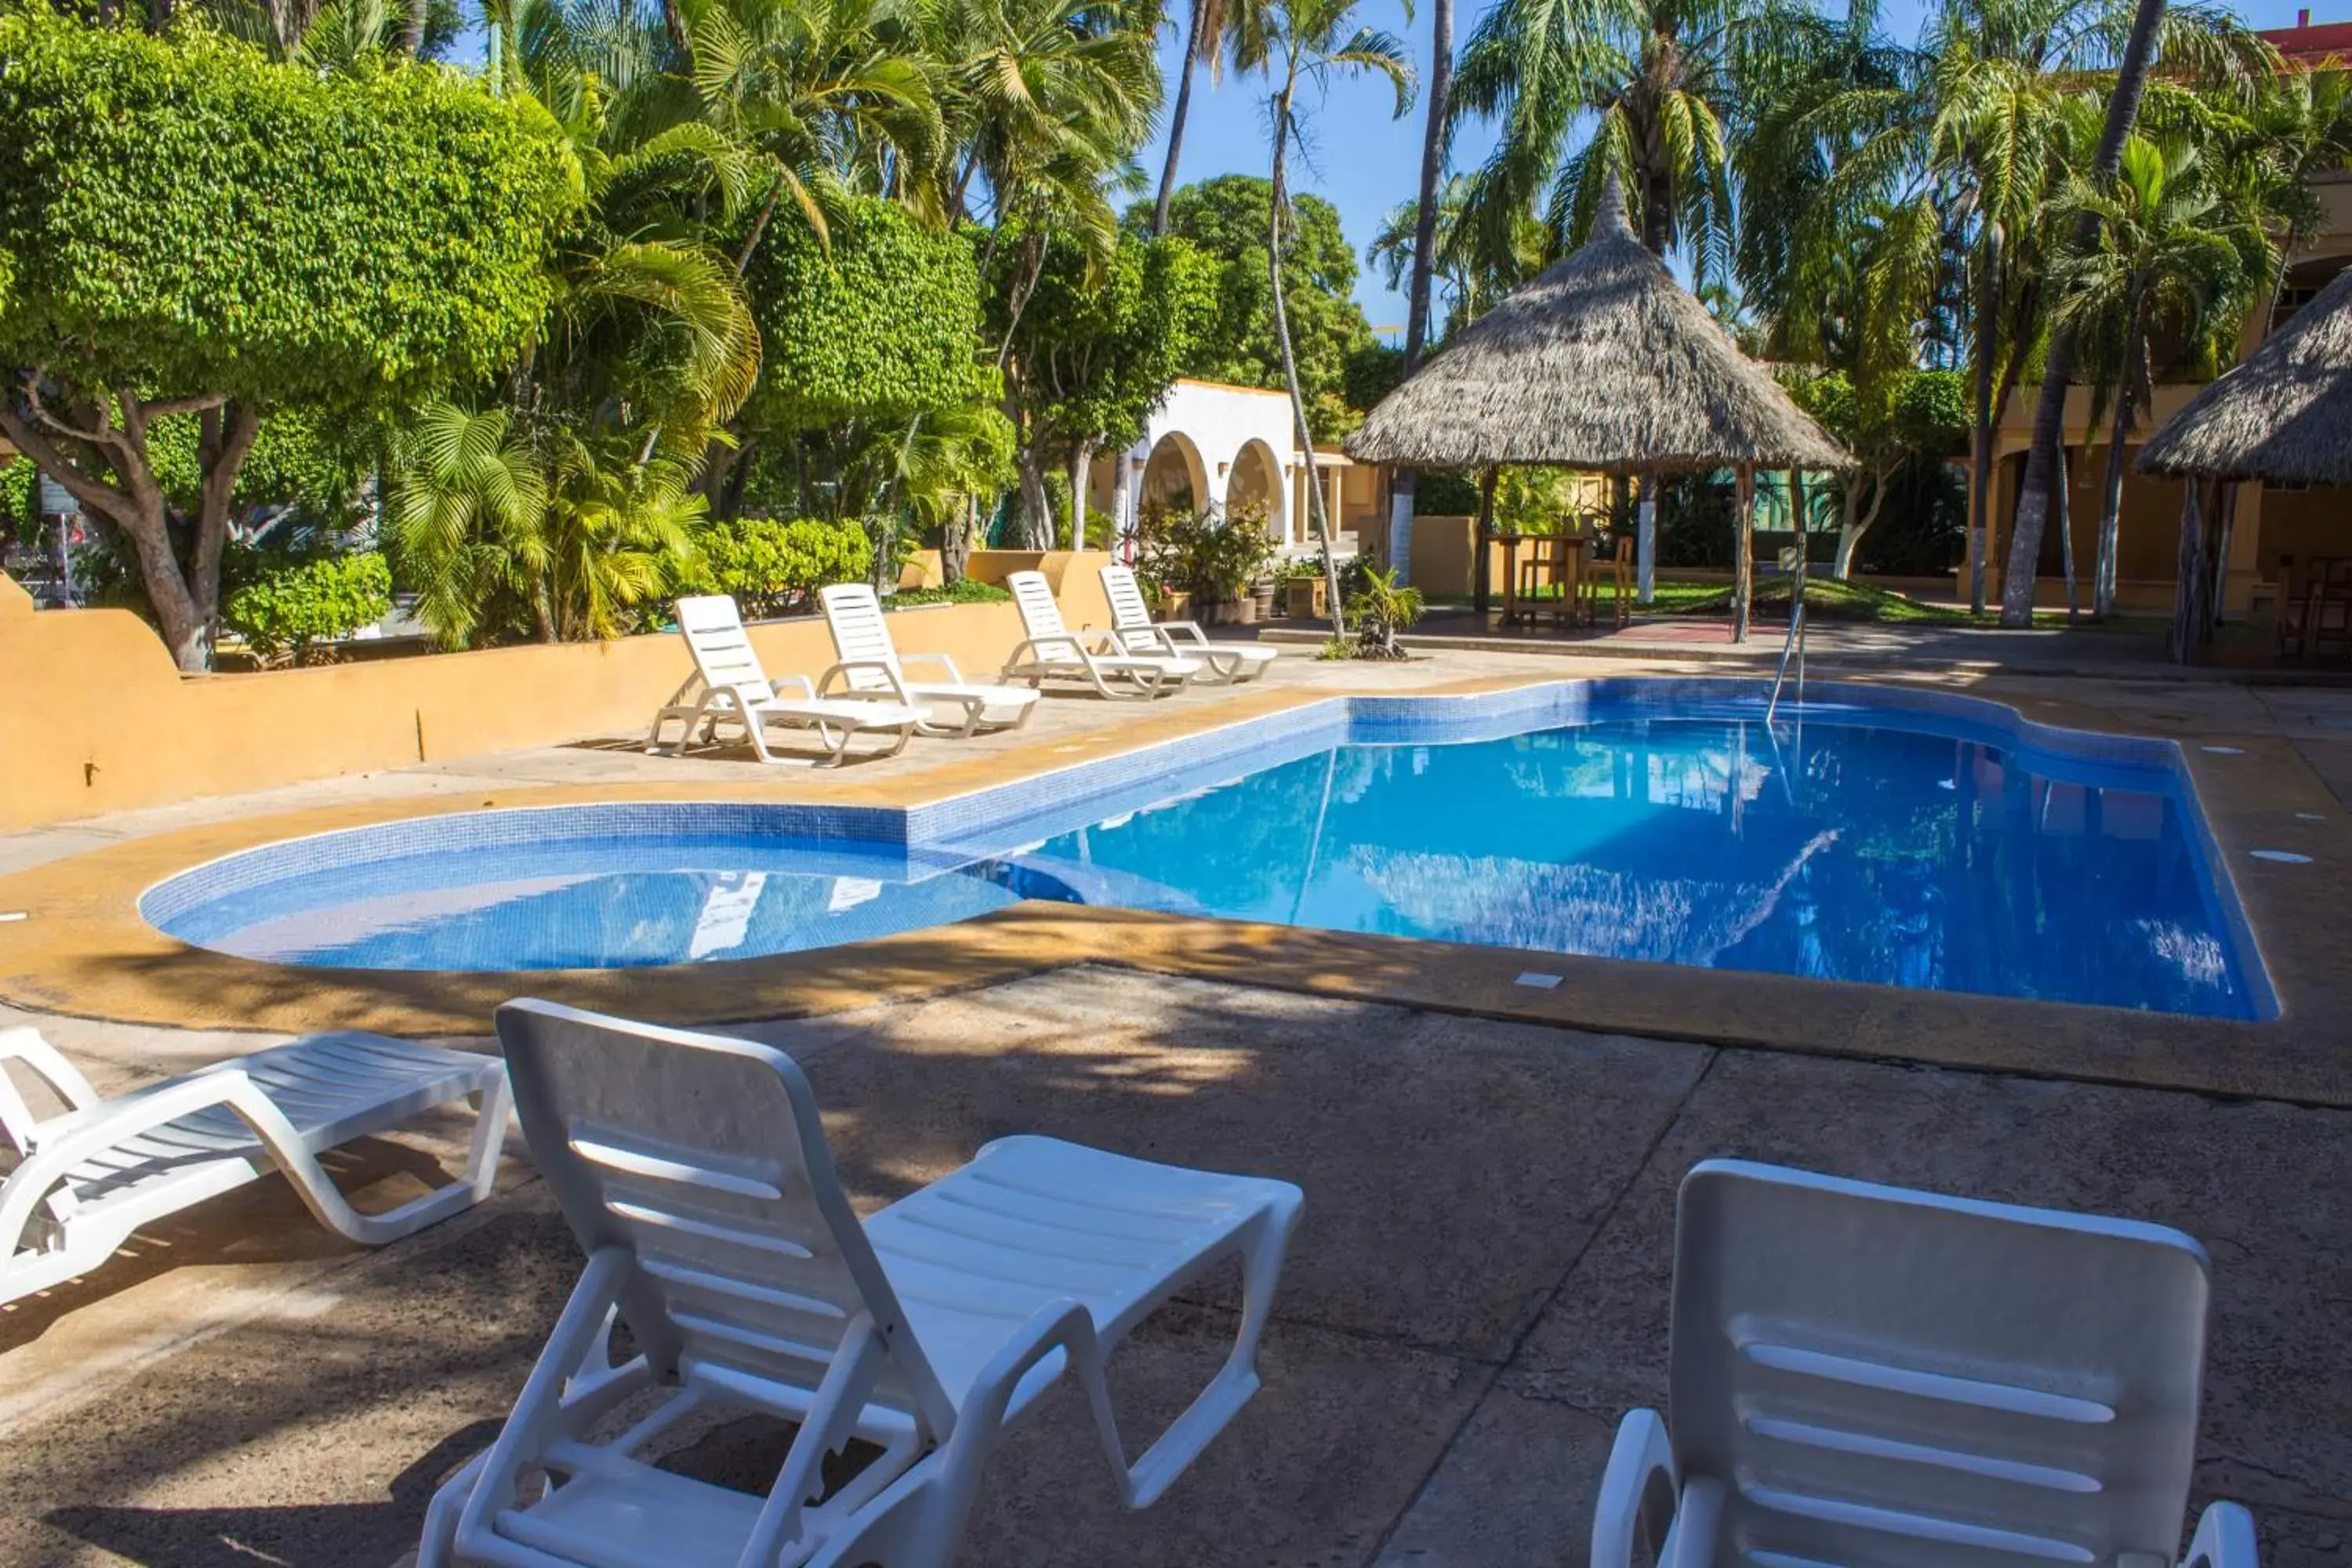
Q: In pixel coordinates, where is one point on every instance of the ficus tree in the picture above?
(197, 231)
(870, 332)
(1095, 351)
(1886, 421)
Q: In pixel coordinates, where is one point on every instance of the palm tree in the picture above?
(1470, 283)
(1218, 27)
(2215, 48)
(1424, 261)
(1654, 76)
(1309, 40)
(2166, 258)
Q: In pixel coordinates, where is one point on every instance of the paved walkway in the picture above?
(1478, 1288)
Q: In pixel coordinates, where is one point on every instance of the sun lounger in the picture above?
(1053, 652)
(872, 669)
(694, 1171)
(729, 687)
(1231, 663)
(1866, 1376)
(90, 1176)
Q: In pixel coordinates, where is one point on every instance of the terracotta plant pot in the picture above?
(1175, 606)
(1309, 599)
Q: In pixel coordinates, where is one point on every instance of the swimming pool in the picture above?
(1935, 843)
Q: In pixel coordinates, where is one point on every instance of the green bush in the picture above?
(968, 591)
(289, 605)
(1202, 555)
(773, 565)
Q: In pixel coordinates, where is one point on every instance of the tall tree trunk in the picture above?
(1036, 502)
(1176, 118)
(1645, 540)
(411, 41)
(1980, 464)
(2228, 507)
(2111, 505)
(2189, 589)
(2066, 532)
(185, 600)
(2058, 368)
(1424, 263)
(1276, 209)
(1081, 461)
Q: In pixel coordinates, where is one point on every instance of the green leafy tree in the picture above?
(1227, 220)
(2167, 259)
(872, 338)
(1887, 422)
(404, 249)
(1095, 351)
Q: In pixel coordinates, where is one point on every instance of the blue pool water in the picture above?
(1854, 846)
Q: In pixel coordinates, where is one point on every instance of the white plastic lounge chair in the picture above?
(729, 687)
(1867, 1376)
(1053, 652)
(1229, 663)
(871, 667)
(88, 1177)
(694, 1171)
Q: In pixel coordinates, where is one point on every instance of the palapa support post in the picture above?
(1743, 582)
(1483, 538)
(2189, 589)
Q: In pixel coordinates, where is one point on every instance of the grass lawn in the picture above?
(1831, 600)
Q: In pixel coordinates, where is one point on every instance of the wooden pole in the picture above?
(1478, 547)
(1743, 524)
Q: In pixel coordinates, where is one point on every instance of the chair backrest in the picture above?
(1875, 1374)
(853, 613)
(713, 629)
(704, 1158)
(1129, 613)
(1041, 617)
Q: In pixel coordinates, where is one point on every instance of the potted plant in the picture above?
(1231, 554)
(1261, 594)
(1307, 597)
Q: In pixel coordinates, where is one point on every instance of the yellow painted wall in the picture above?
(95, 718)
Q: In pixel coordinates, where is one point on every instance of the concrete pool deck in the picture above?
(2272, 767)
(1477, 1291)
(1479, 1285)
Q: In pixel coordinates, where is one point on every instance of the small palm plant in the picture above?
(1382, 607)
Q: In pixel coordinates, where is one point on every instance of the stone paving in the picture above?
(1477, 1291)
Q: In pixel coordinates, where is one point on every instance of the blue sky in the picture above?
(1365, 161)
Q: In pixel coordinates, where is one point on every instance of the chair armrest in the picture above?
(1191, 630)
(807, 689)
(824, 688)
(955, 676)
(1063, 1325)
(1638, 1493)
(2224, 1539)
(45, 1062)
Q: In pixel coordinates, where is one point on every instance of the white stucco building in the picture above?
(1214, 446)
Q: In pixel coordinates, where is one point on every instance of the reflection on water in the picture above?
(1833, 850)
(1837, 851)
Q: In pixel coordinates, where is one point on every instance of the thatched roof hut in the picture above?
(1604, 363)
(2284, 414)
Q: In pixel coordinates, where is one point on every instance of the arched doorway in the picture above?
(1257, 480)
(1173, 476)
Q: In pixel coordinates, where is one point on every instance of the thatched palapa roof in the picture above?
(2284, 413)
(1604, 362)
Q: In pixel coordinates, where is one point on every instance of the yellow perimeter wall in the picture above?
(94, 718)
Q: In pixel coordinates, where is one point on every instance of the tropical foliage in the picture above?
(749, 294)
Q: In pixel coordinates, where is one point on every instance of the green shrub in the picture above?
(773, 565)
(1202, 555)
(968, 591)
(289, 605)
